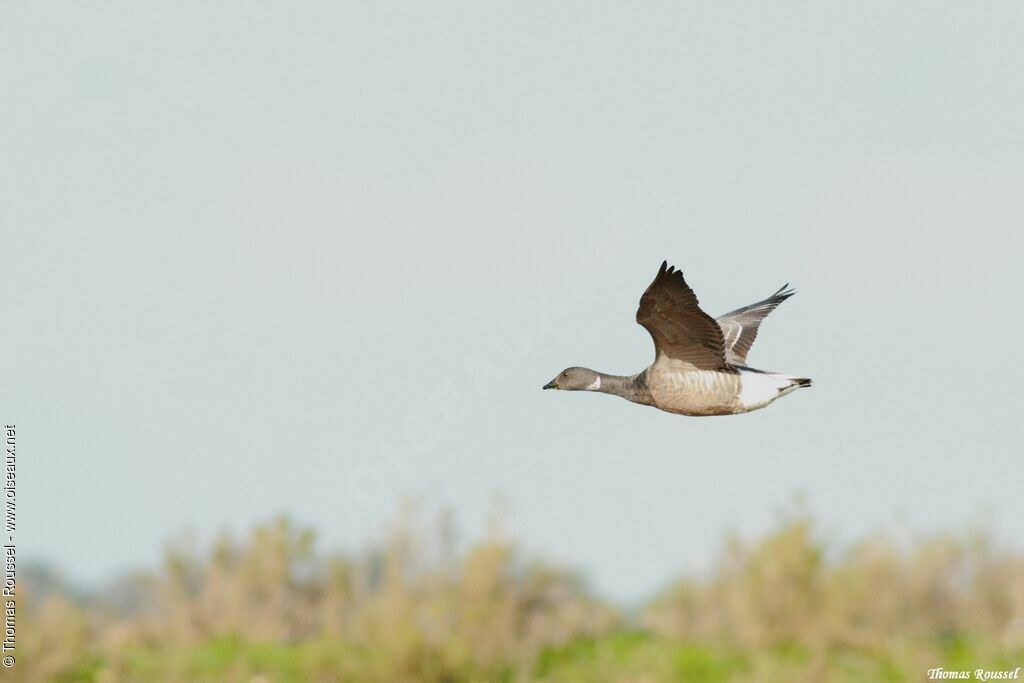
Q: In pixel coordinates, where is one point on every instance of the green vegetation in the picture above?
(271, 608)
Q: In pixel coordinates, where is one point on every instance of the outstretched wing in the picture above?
(681, 331)
(739, 327)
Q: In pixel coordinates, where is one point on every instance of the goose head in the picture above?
(576, 379)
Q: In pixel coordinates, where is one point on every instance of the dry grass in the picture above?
(948, 600)
(272, 607)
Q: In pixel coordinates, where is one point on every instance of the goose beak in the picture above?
(549, 385)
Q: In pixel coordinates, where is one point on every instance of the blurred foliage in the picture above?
(272, 608)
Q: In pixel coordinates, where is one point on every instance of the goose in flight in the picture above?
(700, 362)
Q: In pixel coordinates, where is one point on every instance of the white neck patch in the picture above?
(596, 385)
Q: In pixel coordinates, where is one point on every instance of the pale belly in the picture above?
(710, 392)
(697, 392)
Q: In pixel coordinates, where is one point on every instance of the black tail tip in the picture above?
(802, 382)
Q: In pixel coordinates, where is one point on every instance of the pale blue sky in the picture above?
(256, 257)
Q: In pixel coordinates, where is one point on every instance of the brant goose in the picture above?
(700, 363)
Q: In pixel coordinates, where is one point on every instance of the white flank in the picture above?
(758, 389)
(596, 385)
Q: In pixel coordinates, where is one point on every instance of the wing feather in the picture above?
(739, 327)
(682, 332)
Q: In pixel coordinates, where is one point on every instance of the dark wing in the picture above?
(739, 327)
(681, 331)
